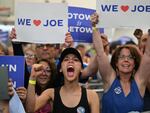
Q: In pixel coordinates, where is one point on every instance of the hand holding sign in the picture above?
(68, 40)
(10, 88)
(12, 34)
(94, 19)
(22, 93)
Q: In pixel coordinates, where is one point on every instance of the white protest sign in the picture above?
(123, 13)
(41, 22)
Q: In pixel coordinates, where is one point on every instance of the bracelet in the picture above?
(32, 82)
(94, 28)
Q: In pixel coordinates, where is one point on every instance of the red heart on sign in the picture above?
(37, 22)
(124, 8)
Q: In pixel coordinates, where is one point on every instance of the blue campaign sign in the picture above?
(16, 68)
(79, 24)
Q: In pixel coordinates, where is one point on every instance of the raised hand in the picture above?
(10, 88)
(68, 40)
(138, 33)
(37, 69)
(12, 34)
(94, 19)
(22, 93)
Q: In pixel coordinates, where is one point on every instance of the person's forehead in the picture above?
(45, 64)
(124, 50)
(50, 45)
(29, 51)
(70, 55)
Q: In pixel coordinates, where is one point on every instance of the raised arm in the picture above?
(18, 51)
(143, 74)
(34, 103)
(17, 46)
(106, 71)
(91, 69)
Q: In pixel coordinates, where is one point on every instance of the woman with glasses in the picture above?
(44, 81)
(125, 78)
(30, 57)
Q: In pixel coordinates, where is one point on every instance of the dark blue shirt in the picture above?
(115, 101)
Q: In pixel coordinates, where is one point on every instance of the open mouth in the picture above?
(43, 77)
(70, 71)
(126, 65)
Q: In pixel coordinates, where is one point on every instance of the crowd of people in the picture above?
(53, 74)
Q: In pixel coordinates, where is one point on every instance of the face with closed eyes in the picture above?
(71, 68)
(125, 64)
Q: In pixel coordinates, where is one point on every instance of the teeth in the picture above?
(70, 66)
(125, 65)
(43, 78)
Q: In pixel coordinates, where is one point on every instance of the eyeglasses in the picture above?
(47, 71)
(44, 45)
(27, 55)
(123, 57)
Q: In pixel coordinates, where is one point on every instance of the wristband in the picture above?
(32, 82)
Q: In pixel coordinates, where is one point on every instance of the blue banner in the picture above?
(79, 24)
(16, 68)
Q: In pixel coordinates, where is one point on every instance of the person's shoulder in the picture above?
(49, 92)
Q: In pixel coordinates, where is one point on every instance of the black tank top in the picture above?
(82, 107)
